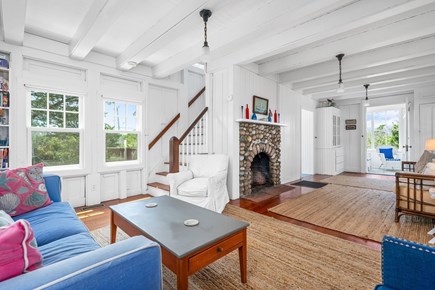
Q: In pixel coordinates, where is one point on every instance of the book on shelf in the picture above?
(4, 102)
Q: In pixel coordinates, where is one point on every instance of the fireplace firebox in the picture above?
(260, 170)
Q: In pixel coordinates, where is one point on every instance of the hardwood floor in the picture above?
(99, 216)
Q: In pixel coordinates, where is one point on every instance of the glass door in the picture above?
(387, 137)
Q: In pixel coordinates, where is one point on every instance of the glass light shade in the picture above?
(205, 56)
(366, 103)
(340, 88)
(430, 145)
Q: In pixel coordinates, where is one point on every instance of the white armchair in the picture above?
(204, 183)
(391, 158)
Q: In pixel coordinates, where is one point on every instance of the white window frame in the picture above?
(79, 130)
(138, 131)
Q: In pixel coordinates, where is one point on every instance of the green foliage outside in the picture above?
(121, 147)
(55, 149)
(384, 135)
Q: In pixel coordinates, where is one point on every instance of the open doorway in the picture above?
(386, 137)
(307, 142)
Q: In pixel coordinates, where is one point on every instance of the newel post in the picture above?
(174, 155)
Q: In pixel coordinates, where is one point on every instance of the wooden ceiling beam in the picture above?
(411, 25)
(101, 15)
(13, 15)
(384, 55)
(411, 83)
(269, 18)
(166, 29)
(329, 22)
(393, 67)
(384, 78)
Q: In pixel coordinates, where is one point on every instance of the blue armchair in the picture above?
(407, 265)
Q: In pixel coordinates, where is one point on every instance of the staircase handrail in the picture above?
(196, 96)
(174, 144)
(167, 127)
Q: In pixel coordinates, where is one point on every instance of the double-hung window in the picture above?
(121, 131)
(55, 128)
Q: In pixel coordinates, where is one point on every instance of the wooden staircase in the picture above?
(193, 141)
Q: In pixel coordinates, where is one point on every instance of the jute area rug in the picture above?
(363, 182)
(282, 256)
(362, 212)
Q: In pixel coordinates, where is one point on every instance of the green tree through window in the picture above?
(385, 131)
(120, 125)
(55, 128)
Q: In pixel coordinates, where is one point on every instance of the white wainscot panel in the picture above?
(133, 182)
(109, 186)
(73, 191)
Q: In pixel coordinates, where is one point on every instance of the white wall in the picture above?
(234, 87)
(94, 78)
(290, 104)
(424, 119)
(195, 81)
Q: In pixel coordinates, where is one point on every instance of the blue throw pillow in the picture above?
(388, 152)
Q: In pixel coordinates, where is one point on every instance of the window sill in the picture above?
(122, 165)
(67, 171)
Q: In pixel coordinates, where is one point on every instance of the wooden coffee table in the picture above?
(185, 249)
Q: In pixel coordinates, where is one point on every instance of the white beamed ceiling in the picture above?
(389, 44)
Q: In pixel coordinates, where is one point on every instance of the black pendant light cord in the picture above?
(367, 86)
(339, 57)
(339, 65)
(205, 14)
(205, 34)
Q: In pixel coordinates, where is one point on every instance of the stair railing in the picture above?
(160, 135)
(193, 141)
(196, 97)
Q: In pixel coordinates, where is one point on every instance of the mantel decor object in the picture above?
(260, 105)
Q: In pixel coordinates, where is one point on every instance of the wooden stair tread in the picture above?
(163, 173)
(159, 185)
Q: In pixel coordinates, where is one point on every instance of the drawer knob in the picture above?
(219, 249)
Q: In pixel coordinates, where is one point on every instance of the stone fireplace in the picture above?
(260, 156)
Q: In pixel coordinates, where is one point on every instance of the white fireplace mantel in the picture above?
(260, 122)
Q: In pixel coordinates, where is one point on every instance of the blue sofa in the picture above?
(73, 260)
(406, 265)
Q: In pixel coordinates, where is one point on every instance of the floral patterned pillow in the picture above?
(23, 190)
(18, 250)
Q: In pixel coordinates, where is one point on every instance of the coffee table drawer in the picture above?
(215, 252)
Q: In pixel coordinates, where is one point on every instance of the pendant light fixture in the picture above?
(366, 102)
(205, 14)
(340, 88)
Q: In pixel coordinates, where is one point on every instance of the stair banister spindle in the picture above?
(183, 154)
(195, 135)
(206, 136)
